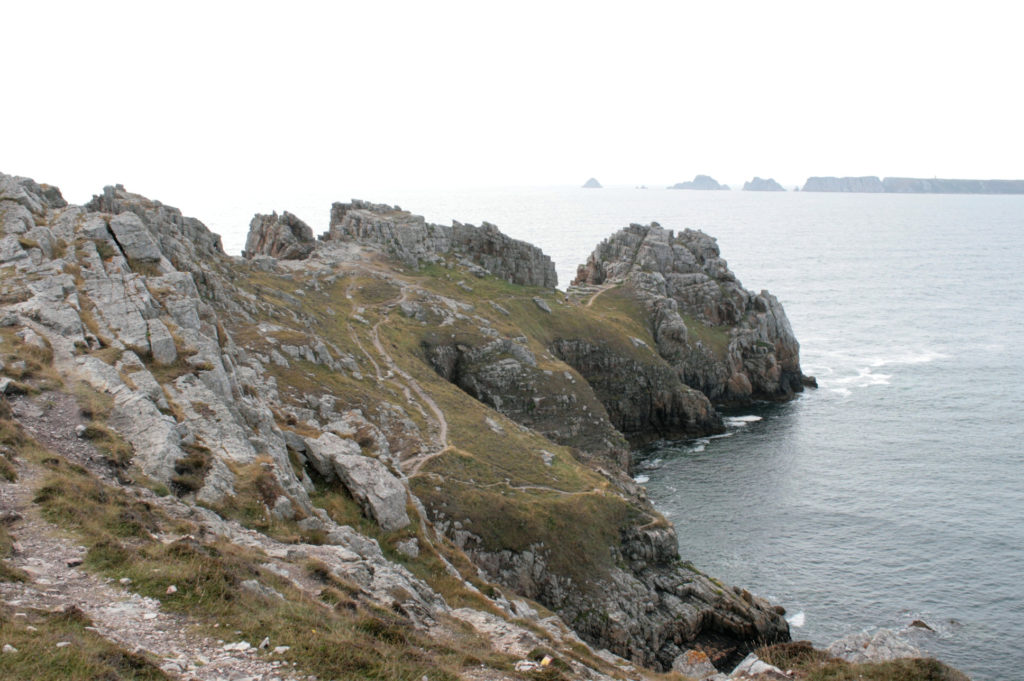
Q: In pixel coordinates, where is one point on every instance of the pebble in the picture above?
(73, 562)
(172, 589)
(8, 648)
(124, 581)
(149, 616)
(265, 643)
(63, 644)
(80, 430)
(280, 650)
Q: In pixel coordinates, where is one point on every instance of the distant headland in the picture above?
(761, 185)
(912, 185)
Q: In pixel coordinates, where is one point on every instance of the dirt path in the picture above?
(604, 287)
(50, 558)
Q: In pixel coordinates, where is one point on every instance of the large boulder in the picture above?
(381, 495)
(279, 236)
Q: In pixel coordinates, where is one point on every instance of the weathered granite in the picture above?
(279, 236)
(731, 344)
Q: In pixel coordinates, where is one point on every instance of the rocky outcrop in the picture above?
(761, 185)
(412, 239)
(645, 399)
(913, 185)
(504, 375)
(651, 608)
(298, 392)
(592, 183)
(868, 185)
(700, 182)
(731, 344)
(285, 236)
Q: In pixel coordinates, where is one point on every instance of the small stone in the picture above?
(172, 590)
(149, 616)
(542, 304)
(73, 562)
(265, 643)
(80, 430)
(29, 627)
(124, 581)
(280, 650)
(8, 648)
(63, 644)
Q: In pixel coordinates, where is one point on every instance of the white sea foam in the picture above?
(796, 620)
(720, 436)
(740, 421)
(908, 357)
(842, 392)
(864, 378)
(641, 479)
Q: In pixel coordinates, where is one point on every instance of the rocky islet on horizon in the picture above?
(429, 374)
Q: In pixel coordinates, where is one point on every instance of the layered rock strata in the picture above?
(277, 383)
(731, 344)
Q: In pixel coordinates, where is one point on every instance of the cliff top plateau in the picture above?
(390, 451)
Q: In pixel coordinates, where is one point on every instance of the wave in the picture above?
(740, 421)
(864, 378)
(908, 357)
(641, 479)
(797, 620)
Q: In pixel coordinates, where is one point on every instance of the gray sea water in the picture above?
(895, 491)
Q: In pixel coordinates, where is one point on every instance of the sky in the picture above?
(190, 101)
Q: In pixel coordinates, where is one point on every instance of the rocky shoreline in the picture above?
(410, 413)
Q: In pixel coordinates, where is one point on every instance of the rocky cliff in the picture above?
(387, 449)
(731, 344)
(913, 185)
(700, 182)
(761, 185)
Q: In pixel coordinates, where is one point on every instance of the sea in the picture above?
(893, 492)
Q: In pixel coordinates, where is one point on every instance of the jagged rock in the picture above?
(700, 182)
(542, 304)
(731, 344)
(411, 239)
(761, 185)
(285, 236)
(379, 492)
(133, 238)
(695, 664)
(161, 343)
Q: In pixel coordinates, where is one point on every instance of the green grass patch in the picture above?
(89, 657)
(714, 338)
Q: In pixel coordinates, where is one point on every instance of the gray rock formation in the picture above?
(880, 646)
(701, 182)
(913, 185)
(284, 236)
(731, 344)
(761, 185)
(592, 183)
(412, 239)
(868, 185)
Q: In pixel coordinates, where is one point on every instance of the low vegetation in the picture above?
(809, 664)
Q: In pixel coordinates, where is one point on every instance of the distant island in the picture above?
(912, 185)
(700, 182)
(761, 185)
(592, 183)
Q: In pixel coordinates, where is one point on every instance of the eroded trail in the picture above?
(57, 582)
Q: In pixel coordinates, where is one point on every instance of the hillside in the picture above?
(396, 451)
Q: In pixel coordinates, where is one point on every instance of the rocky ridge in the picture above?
(761, 185)
(704, 182)
(330, 413)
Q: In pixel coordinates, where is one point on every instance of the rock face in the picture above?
(700, 182)
(912, 185)
(761, 185)
(731, 344)
(284, 236)
(412, 239)
(311, 390)
(592, 183)
(881, 646)
(868, 185)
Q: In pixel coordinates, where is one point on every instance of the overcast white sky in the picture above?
(182, 99)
